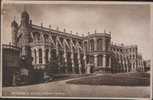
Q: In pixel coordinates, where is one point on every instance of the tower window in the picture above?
(107, 44)
(85, 45)
(99, 44)
(92, 45)
(40, 56)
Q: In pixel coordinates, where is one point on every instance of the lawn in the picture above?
(120, 79)
(59, 77)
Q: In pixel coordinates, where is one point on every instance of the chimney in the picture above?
(71, 32)
(104, 31)
(95, 32)
(57, 28)
(30, 22)
(41, 24)
(50, 26)
(64, 30)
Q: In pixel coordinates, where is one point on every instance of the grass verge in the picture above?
(120, 79)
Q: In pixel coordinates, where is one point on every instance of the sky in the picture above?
(128, 24)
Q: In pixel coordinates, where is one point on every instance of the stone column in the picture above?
(72, 57)
(79, 61)
(104, 46)
(84, 57)
(37, 55)
(33, 56)
(131, 66)
(95, 42)
(104, 60)
(143, 68)
(95, 60)
(127, 65)
(65, 58)
(123, 68)
(85, 62)
(123, 65)
(88, 45)
(57, 49)
(43, 56)
(127, 68)
(134, 66)
(49, 57)
(110, 62)
(109, 47)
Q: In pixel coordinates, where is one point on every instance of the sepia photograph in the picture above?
(76, 50)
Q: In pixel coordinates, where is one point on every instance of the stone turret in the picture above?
(25, 37)
(25, 19)
(24, 29)
(14, 29)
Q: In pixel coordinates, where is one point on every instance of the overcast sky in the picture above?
(129, 24)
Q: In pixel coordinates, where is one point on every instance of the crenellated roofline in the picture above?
(50, 30)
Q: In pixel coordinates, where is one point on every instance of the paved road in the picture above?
(60, 88)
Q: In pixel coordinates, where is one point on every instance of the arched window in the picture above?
(85, 45)
(36, 36)
(53, 54)
(80, 43)
(107, 44)
(35, 56)
(100, 63)
(46, 37)
(46, 55)
(40, 56)
(107, 60)
(54, 39)
(91, 59)
(92, 45)
(99, 44)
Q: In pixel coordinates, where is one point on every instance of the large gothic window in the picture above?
(40, 56)
(53, 54)
(87, 59)
(35, 56)
(100, 63)
(46, 55)
(80, 43)
(107, 60)
(92, 45)
(46, 38)
(99, 44)
(85, 45)
(36, 36)
(107, 44)
(54, 39)
(91, 60)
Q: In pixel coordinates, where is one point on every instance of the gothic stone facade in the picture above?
(75, 53)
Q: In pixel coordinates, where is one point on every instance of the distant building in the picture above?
(41, 46)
